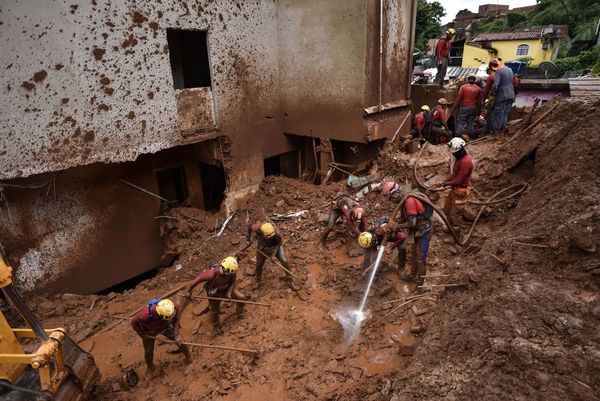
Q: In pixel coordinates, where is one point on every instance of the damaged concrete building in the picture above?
(195, 101)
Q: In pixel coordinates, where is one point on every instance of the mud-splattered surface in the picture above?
(524, 324)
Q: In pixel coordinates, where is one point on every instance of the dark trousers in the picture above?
(278, 252)
(499, 116)
(148, 343)
(334, 215)
(433, 134)
(371, 256)
(420, 250)
(215, 306)
(466, 118)
(442, 68)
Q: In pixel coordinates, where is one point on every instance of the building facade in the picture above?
(537, 44)
(190, 101)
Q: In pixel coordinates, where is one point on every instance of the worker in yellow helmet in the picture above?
(220, 281)
(380, 234)
(269, 244)
(159, 316)
(442, 55)
(418, 131)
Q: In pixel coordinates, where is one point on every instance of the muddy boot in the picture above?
(408, 276)
(214, 319)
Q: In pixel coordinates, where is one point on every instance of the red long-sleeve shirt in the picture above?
(262, 240)
(396, 237)
(469, 95)
(345, 205)
(488, 85)
(440, 115)
(420, 122)
(142, 322)
(461, 172)
(443, 48)
(216, 278)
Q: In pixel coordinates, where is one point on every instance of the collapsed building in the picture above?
(194, 102)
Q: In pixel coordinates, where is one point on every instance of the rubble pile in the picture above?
(523, 323)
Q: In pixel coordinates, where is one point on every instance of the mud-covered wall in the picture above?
(330, 63)
(91, 81)
(87, 232)
(322, 48)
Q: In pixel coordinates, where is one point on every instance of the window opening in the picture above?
(188, 52)
(285, 164)
(522, 50)
(172, 184)
(214, 182)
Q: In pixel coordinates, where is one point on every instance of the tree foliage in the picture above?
(428, 24)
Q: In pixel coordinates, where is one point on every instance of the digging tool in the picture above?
(132, 314)
(442, 285)
(251, 351)
(405, 298)
(280, 265)
(239, 301)
(423, 296)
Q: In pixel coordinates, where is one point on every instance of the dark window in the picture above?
(285, 164)
(214, 183)
(188, 52)
(172, 184)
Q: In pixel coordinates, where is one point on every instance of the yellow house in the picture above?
(537, 44)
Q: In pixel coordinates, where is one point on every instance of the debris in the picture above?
(231, 216)
(289, 215)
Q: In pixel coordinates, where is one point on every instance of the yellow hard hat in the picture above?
(451, 31)
(267, 229)
(165, 309)
(364, 239)
(425, 108)
(230, 264)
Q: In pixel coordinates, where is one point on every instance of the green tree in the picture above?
(428, 24)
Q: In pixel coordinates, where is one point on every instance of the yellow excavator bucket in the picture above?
(9, 345)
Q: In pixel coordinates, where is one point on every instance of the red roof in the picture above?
(514, 35)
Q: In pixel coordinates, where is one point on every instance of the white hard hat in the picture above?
(456, 144)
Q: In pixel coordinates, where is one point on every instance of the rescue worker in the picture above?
(352, 213)
(415, 216)
(468, 100)
(220, 283)
(459, 180)
(418, 131)
(381, 234)
(436, 127)
(159, 316)
(502, 94)
(442, 56)
(269, 243)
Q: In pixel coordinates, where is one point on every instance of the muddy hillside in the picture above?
(511, 315)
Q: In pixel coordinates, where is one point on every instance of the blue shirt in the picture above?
(503, 88)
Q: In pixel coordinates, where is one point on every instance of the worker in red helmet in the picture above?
(381, 234)
(502, 96)
(220, 282)
(159, 316)
(436, 126)
(442, 55)
(352, 213)
(415, 216)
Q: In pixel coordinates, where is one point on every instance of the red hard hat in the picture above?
(389, 187)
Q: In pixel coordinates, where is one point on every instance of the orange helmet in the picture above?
(442, 101)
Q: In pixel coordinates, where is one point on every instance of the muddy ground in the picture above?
(523, 326)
